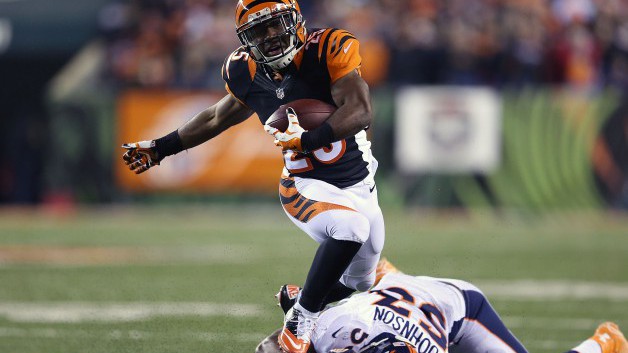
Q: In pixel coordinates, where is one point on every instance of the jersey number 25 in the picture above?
(298, 163)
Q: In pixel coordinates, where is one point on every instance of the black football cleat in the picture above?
(287, 296)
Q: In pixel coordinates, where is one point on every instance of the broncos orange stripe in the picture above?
(299, 206)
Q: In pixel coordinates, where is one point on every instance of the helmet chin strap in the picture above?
(283, 61)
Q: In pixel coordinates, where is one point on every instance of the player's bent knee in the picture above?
(350, 226)
(360, 283)
(364, 285)
(359, 275)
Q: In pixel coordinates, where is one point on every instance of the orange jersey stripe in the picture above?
(338, 40)
(322, 40)
(234, 96)
(252, 68)
(341, 51)
(299, 206)
(343, 54)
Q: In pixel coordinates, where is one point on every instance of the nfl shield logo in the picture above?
(280, 93)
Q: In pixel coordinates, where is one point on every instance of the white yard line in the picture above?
(553, 290)
(518, 290)
(73, 312)
(558, 346)
(221, 336)
(131, 335)
(552, 324)
(122, 256)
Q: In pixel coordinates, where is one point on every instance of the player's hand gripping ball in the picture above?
(308, 114)
(291, 138)
(140, 156)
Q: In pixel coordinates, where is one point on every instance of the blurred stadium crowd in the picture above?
(579, 43)
(518, 47)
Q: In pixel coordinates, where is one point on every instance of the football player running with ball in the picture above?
(327, 187)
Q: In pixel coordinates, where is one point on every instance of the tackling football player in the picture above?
(327, 186)
(407, 314)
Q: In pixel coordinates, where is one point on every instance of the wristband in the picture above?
(168, 145)
(320, 137)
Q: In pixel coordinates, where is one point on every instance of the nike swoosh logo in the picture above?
(373, 188)
(346, 49)
(297, 346)
(335, 333)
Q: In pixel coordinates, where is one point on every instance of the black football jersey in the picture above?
(327, 55)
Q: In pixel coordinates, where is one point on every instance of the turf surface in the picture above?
(202, 279)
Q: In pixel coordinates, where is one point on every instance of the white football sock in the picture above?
(588, 346)
(310, 314)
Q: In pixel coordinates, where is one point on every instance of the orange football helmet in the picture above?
(273, 31)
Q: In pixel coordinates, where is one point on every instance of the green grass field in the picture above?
(202, 279)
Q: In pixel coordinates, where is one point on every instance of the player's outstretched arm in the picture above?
(141, 156)
(351, 95)
(212, 121)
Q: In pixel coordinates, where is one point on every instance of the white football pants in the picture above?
(322, 210)
(481, 330)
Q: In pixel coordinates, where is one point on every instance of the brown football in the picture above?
(310, 112)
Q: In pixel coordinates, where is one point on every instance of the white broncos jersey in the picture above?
(420, 309)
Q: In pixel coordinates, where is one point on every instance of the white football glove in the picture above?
(291, 138)
(140, 156)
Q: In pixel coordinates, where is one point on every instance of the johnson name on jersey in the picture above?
(420, 310)
(327, 55)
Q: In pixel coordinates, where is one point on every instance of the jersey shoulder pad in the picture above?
(238, 72)
(340, 50)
